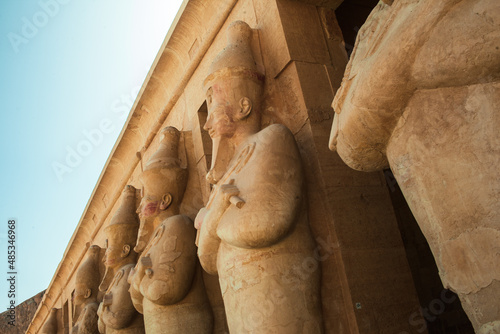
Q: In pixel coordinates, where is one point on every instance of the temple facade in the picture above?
(290, 214)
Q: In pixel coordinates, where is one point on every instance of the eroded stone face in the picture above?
(421, 93)
(166, 284)
(162, 175)
(85, 294)
(116, 312)
(254, 228)
(220, 122)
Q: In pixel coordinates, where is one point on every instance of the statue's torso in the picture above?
(122, 304)
(174, 297)
(87, 321)
(260, 284)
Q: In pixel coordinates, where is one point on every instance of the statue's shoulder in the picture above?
(179, 220)
(121, 276)
(276, 130)
(277, 137)
(92, 307)
(87, 321)
(178, 224)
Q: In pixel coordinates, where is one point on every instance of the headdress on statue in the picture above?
(125, 223)
(88, 272)
(122, 229)
(236, 59)
(163, 172)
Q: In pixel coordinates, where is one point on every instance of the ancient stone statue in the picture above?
(116, 312)
(86, 290)
(51, 325)
(254, 228)
(167, 284)
(421, 94)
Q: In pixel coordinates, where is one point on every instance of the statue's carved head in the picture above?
(164, 182)
(121, 234)
(233, 93)
(87, 277)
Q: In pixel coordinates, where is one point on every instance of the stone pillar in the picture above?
(350, 212)
(421, 94)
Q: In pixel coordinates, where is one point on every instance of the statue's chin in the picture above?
(144, 234)
(141, 244)
(106, 280)
(222, 153)
(213, 176)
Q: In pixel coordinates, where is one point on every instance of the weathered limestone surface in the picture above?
(361, 251)
(86, 290)
(300, 49)
(167, 283)
(52, 325)
(254, 228)
(421, 94)
(116, 313)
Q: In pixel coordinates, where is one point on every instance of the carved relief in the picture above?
(254, 227)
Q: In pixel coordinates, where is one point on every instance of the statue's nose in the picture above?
(208, 123)
(139, 247)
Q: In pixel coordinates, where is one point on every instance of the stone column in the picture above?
(366, 280)
(421, 94)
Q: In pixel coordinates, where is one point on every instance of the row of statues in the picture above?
(253, 229)
(417, 97)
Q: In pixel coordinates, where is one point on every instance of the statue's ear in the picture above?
(245, 108)
(166, 200)
(125, 251)
(88, 293)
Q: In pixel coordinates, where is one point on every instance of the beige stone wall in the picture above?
(366, 284)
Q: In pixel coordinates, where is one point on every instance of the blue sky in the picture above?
(70, 71)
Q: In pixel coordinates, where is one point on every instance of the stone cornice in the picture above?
(191, 34)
